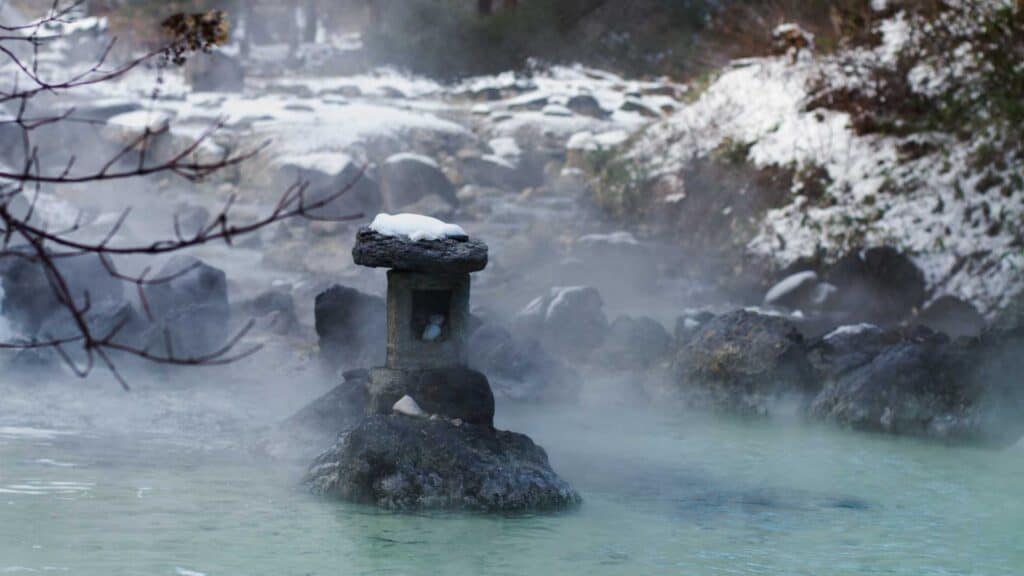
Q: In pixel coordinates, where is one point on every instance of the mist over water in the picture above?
(663, 494)
(177, 476)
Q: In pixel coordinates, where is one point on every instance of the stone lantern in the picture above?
(427, 322)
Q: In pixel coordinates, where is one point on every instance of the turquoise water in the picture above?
(663, 495)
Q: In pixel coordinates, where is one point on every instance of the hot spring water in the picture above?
(663, 495)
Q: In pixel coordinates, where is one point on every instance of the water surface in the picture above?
(663, 495)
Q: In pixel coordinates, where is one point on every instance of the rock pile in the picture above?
(428, 439)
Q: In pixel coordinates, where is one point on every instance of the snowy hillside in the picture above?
(921, 192)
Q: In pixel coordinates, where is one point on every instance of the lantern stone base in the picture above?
(455, 392)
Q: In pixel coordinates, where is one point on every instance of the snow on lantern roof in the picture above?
(416, 243)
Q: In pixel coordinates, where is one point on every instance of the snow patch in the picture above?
(406, 405)
(410, 157)
(416, 227)
(852, 330)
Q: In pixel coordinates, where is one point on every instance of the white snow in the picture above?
(873, 196)
(139, 120)
(416, 227)
(620, 238)
(789, 285)
(326, 162)
(406, 405)
(505, 147)
(588, 141)
(561, 295)
(851, 330)
(410, 157)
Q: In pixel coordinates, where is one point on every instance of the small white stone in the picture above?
(409, 407)
(457, 422)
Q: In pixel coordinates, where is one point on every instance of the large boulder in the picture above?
(493, 171)
(274, 310)
(617, 262)
(922, 383)
(744, 363)
(635, 343)
(29, 294)
(952, 316)
(336, 186)
(520, 369)
(450, 255)
(877, 285)
(351, 326)
(192, 308)
(405, 463)
(215, 71)
(800, 291)
(407, 178)
(568, 321)
(587, 105)
(847, 348)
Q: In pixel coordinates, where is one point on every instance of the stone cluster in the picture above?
(427, 437)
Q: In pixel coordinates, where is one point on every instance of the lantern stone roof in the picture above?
(416, 243)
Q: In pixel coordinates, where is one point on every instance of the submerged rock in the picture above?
(744, 363)
(404, 463)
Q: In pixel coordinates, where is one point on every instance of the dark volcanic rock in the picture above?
(587, 105)
(635, 343)
(333, 190)
(568, 321)
(450, 255)
(403, 463)
(918, 386)
(953, 317)
(193, 307)
(454, 392)
(109, 317)
(275, 309)
(215, 71)
(878, 285)
(351, 326)
(848, 348)
(744, 363)
(407, 178)
(921, 383)
(29, 298)
(520, 369)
